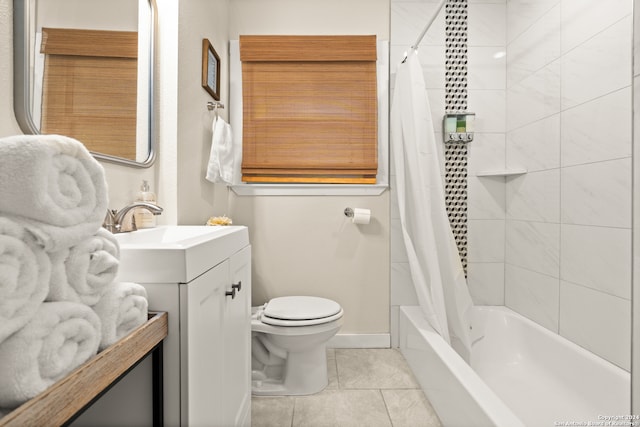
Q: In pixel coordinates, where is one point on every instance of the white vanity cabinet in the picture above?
(190, 272)
(215, 339)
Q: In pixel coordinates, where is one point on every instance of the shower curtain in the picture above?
(434, 260)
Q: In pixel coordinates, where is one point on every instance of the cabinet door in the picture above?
(202, 337)
(237, 343)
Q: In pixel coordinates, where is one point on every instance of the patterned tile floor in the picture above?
(367, 387)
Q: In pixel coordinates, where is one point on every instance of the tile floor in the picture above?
(367, 387)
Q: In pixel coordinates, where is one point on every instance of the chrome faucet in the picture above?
(113, 219)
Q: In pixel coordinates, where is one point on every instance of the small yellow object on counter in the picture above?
(219, 220)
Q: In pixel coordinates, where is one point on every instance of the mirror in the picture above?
(84, 68)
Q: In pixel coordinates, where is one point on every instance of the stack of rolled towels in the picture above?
(59, 301)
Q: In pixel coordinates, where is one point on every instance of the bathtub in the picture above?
(521, 374)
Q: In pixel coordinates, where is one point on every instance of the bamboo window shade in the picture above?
(309, 109)
(89, 89)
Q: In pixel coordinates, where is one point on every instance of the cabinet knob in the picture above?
(237, 286)
(231, 293)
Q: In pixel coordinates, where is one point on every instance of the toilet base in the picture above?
(304, 373)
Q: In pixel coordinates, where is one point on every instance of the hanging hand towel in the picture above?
(83, 272)
(60, 337)
(221, 159)
(121, 309)
(55, 185)
(24, 277)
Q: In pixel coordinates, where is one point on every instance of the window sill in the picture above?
(308, 189)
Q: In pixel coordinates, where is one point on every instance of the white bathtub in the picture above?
(521, 374)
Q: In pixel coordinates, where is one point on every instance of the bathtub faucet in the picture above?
(113, 219)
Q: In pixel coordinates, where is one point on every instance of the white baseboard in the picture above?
(360, 341)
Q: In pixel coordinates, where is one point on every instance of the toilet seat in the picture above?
(299, 311)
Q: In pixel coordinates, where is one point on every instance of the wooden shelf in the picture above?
(69, 396)
(503, 172)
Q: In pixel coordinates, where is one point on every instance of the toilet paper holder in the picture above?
(358, 215)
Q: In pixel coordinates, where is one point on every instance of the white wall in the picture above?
(309, 17)
(486, 197)
(305, 245)
(357, 274)
(568, 234)
(183, 122)
(120, 15)
(635, 363)
(197, 198)
(8, 124)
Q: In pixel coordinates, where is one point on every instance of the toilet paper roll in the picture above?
(361, 216)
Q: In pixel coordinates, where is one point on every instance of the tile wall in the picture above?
(487, 58)
(555, 243)
(568, 121)
(486, 92)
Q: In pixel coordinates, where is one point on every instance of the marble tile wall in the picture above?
(555, 243)
(568, 121)
(486, 197)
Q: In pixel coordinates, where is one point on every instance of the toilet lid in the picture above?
(301, 308)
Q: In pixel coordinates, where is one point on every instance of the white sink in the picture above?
(176, 254)
(178, 235)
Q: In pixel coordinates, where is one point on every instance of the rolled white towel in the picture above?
(83, 272)
(60, 337)
(122, 308)
(55, 185)
(25, 271)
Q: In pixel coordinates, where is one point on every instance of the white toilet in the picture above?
(289, 335)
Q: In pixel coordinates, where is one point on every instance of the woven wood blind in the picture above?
(309, 109)
(90, 88)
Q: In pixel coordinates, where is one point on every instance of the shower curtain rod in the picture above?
(426, 28)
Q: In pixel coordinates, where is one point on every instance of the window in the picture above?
(309, 109)
(90, 83)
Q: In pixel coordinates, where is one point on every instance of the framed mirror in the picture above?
(84, 68)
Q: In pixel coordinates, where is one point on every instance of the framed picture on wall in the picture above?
(210, 69)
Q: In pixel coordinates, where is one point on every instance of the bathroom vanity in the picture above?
(201, 276)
